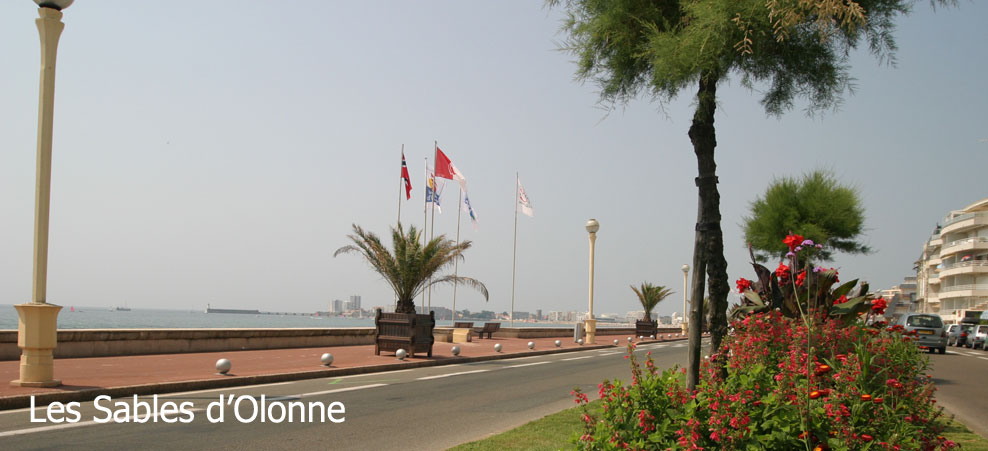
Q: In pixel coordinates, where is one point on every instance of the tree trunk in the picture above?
(708, 245)
(405, 306)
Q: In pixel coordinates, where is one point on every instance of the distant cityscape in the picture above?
(352, 308)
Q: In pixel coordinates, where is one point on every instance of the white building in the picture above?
(354, 303)
(952, 273)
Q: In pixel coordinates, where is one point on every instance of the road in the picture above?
(423, 408)
(961, 377)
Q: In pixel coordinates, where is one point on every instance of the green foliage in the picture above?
(650, 295)
(806, 292)
(815, 206)
(798, 48)
(411, 267)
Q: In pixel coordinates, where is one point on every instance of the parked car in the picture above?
(929, 330)
(953, 331)
(978, 337)
(962, 334)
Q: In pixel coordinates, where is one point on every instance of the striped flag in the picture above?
(405, 177)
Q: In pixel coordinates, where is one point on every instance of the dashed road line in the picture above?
(609, 353)
(338, 390)
(56, 427)
(528, 364)
(439, 376)
(578, 358)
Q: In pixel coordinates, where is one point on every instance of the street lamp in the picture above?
(37, 320)
(686, 271)
(591, 324)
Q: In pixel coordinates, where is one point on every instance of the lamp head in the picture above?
(686, 268)
(57, 5)
(593, 226)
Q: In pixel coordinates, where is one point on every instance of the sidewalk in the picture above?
(85, 378)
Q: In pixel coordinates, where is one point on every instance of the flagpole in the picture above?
(432, 231)
(514, 253)
(456, 264)
(401, 183)
(425, 209)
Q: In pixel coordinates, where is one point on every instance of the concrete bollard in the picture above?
(223, 366)
(401, 354)
(455, 350)
(327, 359)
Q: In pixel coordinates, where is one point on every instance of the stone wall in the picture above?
(114, 342)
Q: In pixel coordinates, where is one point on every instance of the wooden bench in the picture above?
(489, 329)
(463, 325)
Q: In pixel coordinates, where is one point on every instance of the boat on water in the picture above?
(120, 309)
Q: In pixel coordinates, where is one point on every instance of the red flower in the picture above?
(866, 398)
(822, 369)
(743, 284)
(814, 394)
(867, 437)
(801, 278)
(878, 306)
(842, 299)
(792, 241)
(782, 272)
(877, 400)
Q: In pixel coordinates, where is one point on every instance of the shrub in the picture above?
(866, 388)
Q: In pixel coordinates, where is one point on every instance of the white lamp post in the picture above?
(686, 271)
(591, 324)
(37, 320)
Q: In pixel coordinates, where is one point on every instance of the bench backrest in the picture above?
(463, 325)
(491, 327)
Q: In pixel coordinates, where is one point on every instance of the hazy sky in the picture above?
(205, 153)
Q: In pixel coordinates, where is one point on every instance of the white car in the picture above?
(977, 338)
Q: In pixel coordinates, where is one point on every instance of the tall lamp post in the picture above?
(686, 271)
(37, 320)
(591, 324)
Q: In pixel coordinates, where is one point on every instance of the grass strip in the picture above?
(550, 432)
(556, 431)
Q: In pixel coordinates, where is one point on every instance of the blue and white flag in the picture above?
(469, 209)
(434, 191)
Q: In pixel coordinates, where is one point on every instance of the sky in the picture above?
(213, 154)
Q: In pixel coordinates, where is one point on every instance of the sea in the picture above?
(80, 317)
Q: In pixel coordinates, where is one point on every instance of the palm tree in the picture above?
(650, 296)
(412, 267)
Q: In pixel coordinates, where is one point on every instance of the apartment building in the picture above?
(952, 272)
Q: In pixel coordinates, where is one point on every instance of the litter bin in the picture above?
(577, 331)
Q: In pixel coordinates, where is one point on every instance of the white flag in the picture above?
(526, 204)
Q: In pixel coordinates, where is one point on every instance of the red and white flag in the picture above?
(405, 177)
(524, 202)
(446, 170)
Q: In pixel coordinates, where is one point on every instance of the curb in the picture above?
(20, 401)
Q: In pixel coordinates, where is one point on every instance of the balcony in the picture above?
(965, 244)
(964, 221)
(963, 291)
(968, 267)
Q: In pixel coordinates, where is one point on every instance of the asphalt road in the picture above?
(961, 377)
(423, 408)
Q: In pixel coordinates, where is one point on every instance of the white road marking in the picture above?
(242, 387)
(338, 390)
(678, 345)
(527, 357)
(983, 358)
(578, 358)
(56, 427)
(382, 373)
(528, 364)
(610, 353)
(438, 376)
